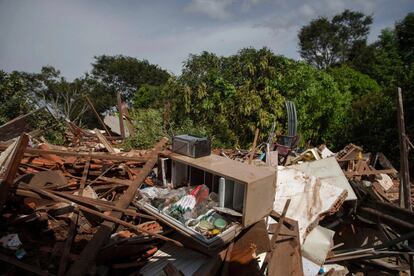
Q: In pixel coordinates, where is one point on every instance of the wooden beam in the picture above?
(370, 172)
(104, 141)
(404, 192)
(64, 259)
(102, 156)
(90, 251)
(97, 115)
(73, 225)
(137, 228)
(101, 203)
(273, 241)
(256, 135)
(12, 168)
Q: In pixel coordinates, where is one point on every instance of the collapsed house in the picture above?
(90, 208)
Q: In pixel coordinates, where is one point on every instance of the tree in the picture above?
(126, 74)
(231, 96)
(325, 42)
(322, 107)
(147, 96)
(352, 29)
(405, 37)
(65, 98)
(317, 43)
(15, 95)
(354, 82)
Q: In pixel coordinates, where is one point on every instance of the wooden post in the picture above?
(121, 115)
(12, 167)
(405, 190)
(97, 115)
(256, 135)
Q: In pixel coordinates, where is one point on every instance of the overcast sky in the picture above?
(67, 34)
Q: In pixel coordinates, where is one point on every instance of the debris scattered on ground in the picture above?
(89, 207)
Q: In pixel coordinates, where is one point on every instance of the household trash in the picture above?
(11, 241)
(192, 206)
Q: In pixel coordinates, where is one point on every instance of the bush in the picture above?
(149, 128)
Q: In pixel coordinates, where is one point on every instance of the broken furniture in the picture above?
(245, 192)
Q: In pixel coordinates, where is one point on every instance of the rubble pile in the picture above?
(90, 208)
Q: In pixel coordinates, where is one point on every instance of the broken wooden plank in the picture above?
(405, 193)
(116, 180)
(102, 156)
(101, 203)
(73, 224)
(286, 258)
(64, 259)
(370, 172)
(12, 168)
(90, 251)
(111, 218)
(273, 241)
(97, 115)
(256, 135)
(104, 141)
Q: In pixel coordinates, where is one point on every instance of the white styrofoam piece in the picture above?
(310, 197)
(329, 171)
(309, 267)
(317, 244)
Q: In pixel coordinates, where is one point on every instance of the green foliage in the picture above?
(126, 74)
(147, 96)
(15, 96)
(317, 43)
(325, 42)
(374, 122)
(149, 128)
(350, 80)
(405, 37)
(322, 108)
(229, 96)
(370, 109)
(384, 63)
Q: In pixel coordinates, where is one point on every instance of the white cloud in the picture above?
(67, 34)
(216, 9)
(247, 4)
(307, 11)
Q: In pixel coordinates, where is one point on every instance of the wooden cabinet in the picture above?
(247, 189)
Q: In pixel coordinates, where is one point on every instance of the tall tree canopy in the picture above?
(126, 74)
(231, 96)
(325, 42)
(405, 37)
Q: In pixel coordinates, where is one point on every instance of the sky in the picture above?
(68, 34)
